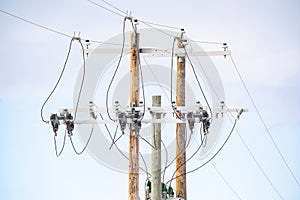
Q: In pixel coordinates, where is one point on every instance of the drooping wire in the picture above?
(117, 68)
(85, 146)
(225, 181)
(63, 146)
(263, 121)
(187, 160)
(191, 171)
(57, 82)
(198, 82)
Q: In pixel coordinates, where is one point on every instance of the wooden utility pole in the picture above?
(156, 153)
(180, 128)
(133, 188)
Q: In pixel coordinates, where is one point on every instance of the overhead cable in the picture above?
(225, 181)
(263, 121)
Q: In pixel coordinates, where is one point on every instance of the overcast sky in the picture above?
(264, 39)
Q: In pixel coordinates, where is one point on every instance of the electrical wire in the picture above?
(82, 81)
(161, 25)
(241, 138)
(85, 146)
(197, 150)
(146, 141)
(35, 24)
(201, 89)
(107, 9)
(191, 171)
(263, 121)
(160, 85)
(108, 131)
(57, 82)
(225, 181)
(63, 146)
(167, 157)
(114, 140)
(180, 153)
(115, 72)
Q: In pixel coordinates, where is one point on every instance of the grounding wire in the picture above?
(63, 146)
(85, 146)
(193, 170)
(225, 181)
(57, 82)
(262, 121)
(116, 69)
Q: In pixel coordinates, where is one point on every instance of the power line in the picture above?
(225, 181)
(52, 30)
(259, 166)
(243, 142)
(36, 24)
(199, 85)
(107, 9)
(263, 122)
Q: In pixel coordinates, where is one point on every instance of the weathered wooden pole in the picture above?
(180, 128)
(133, 188)
(156, 152)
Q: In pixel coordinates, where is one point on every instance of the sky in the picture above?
(263, 37)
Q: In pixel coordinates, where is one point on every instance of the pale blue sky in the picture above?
(264, 39)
